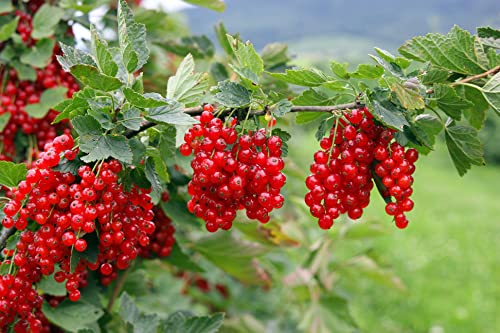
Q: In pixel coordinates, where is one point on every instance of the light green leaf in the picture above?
(232, 95)
(240, 262)
(448, 100)
(90, 76)
(221, 34)
(388, 114)
(282, 107)
(148, 100)
(131, 118)
(39, 55)
(410, 99)
(131, 38)
(46, 20)
(48, 99)
(24, 72)
(391, 67)
(4, 120)
(141, 323)
(248, 59)
(7, 29)
(160, 166)
(72, 316)
(464, 147)
(104, 59)
(49, 286)
(302, 77)
(11, 173)
(435, 75)
(387, 56)
(340, 69)
(166, 146)
(275, 55)
(152, 176)
(170, 114)
(491, 92)
(216, 5)
(365, 71)
(476, 113)
(313, 97)
(183, 322)
(6, 7)
(187, 86)
(74, 57)
(455, 51)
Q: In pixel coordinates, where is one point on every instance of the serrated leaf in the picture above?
(476, 113)
(387, 56)
(90, 76)
(4, 120)
(216, 5)
(152, 176)
(49, 286)
(282, 107)
(87, 125)
(131, 38)
(391, 67)
(7, 29)
(102, 147)
(181, 260)
(240, 262)
(148, 100)
(131, 118)
(232, 95)
(410, 99)
(388, 114)
(141, 323)
(166, 146)
(491, 92)
(138, 150)
(321, 131)
(489, 36)
(248, 59)
(46, 20)
(302, 77)
(340, 69)
(105, 60)
(182, 322)
(464, 147)
(365, 71)
(72, 316)
(11, 173)
(454, 51)
(48, 99)
(448, 100)
(435, 75)
(74, 57)
(312, 97)
(187, 86)
(170, 114)
(39, 55)
(431, 125)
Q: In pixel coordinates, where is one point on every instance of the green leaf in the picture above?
(476, 113)
(221, 34)
(285, 137)
(7, 29)
(187, 86)
(182, 322)
(101, 147)
(489, 36)
(183, 261)
(239, 262)
(131, 38)
(72, 316)
(170, 114)
(49, 286)
(197, 46)
(491, 92)
(232, 95)
(4, 120)
(11, 173)
(90, 76)
(455, 51)
(391, 67)
(131, 118)
(389, 114)
(160, 166)
(365, 231)
(90, 254)
(46, 20)
(431, 125)
(104, 59)
(74, 57)
(48, 99)
(464, 147)
(448, 100)
(302, 77)
(365, 71)
(247, 57)
(282, 107)
(216, 5)
(6, 7)
(86, 125)
(177, 210)
(39, 55)
(141, 323)
(340, 69)
(435, 75)
(410, 99)
(148, 100)
(387, 56)
(152, 176)
(166, 146)
(313, 97)
(339, 306)
(275, 55)
(24, 72)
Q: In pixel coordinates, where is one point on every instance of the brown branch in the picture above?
(196, 111)
(4, 236)
(492, 71)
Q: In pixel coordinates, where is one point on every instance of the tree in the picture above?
(97, 167)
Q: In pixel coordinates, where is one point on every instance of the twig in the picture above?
(492, 71)
(196, 111)
(4, 235)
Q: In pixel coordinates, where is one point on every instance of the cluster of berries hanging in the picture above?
(232, 172)
(343, 170)
(17, 93)
(162, 239)
(69, 209)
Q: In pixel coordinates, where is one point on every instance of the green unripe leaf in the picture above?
(46, 20)
(48, 100)
(7, 29)
(90, 76)
(11, 173)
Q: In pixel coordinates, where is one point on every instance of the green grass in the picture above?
(447, 257)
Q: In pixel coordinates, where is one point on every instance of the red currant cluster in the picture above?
(68, 209)
(341, 179)
(25, 27)
(162, 239)
(232, 172)
(202, 284)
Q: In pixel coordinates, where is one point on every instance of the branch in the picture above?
(492, 71)
(4, 235)
(196, 111)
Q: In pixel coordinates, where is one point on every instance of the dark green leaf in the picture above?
(285, 137)
(491, 92)
(489, 36)
(7, 29)
(4, 120)
(313, 97)
(182, 322)
(217, 5)
(138, 150)
(430, 125)
(218, 72)
(131, 118)
(48, 99)
(435, 75)
(321, 131)
(187, 86)
(39, 55)
(131, 38)
(282, 107)
(339, 307)
(101, 147)
(12, 240)
(177, 210)
(152, 176)
(49, 286)
(11, 173)
(160, 167)
(90, 76)
(183, 261)
(448, 100)
(166, 146)
(86, 125)
(170, 114)
(464, 147)
(90, 254)
(221, 33)
(104, 59)
(232, 95)
(476, 113)
(74, 57)
(197, 46)
(46, 20)
(24, 72)
(148, 100)
(302, 77)
(72, 316)
(388, 114)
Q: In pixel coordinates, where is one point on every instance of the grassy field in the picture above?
(448, 256)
